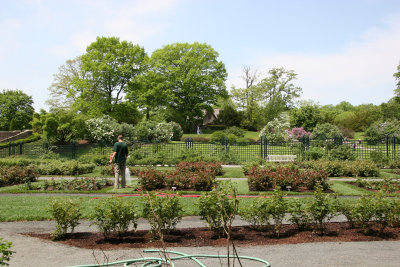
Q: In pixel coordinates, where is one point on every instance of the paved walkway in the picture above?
(36, 252)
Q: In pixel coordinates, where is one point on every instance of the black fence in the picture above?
(388, 148)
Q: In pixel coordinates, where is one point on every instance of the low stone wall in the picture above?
(7, 134)
(15, 136)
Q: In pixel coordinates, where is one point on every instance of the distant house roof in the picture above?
(210, 117)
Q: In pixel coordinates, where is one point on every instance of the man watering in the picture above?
(119, 155)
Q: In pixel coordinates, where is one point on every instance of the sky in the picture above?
(342, 50)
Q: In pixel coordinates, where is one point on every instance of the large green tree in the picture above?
(397, 76)
(306, 116)
(109, 65)
(278, 92)
(16, 110)
(187, 79)
(63, 93)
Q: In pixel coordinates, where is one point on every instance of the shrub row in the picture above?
(262, 179)
(362, 168)
(17, 175)
(114, 215)
(49, 166)
(71, 167)
(79, 184)
(199, 176)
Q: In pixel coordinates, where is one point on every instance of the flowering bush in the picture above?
(297, 134)
(262, 179)
(150, 179)
(107, 129)
(162, 131)
(102, 129)
(275, 130)
(199, 176)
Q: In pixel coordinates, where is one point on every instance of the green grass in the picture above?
(345, 189)
(359, 136)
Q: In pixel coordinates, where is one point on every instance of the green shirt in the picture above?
(122, 152)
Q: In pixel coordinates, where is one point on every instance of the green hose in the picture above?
(158, 262)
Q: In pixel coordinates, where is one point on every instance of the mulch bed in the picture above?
(242, 236)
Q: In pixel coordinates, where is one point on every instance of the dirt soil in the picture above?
(242, 235)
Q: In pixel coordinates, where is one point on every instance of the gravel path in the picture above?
(35, 252)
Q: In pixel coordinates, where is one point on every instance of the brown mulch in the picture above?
(242, 235)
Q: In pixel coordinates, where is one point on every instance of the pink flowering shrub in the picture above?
(297, 133)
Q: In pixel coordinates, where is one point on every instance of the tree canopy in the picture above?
(16, 110)
(187, 79)
(109, 66)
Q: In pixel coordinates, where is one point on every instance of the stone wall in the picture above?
(14, 135)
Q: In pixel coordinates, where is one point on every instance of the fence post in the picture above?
(73, 150)
(20, 148)
(9, 149)
(261, 146)
(394, 147)
(387, 147)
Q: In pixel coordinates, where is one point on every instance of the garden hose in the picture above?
(158, 262)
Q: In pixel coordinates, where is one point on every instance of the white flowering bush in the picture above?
(157, 131)
(103, 128)
(275, 130)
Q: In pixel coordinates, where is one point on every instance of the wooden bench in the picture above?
(281, 158)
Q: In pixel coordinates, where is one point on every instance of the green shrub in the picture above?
(256, 214)
(162, 213)
(113, 215)
(248, 165)
(277, 207)
(260, 179)
(5, 252)
(364, 210)
(299, 214)
(216, 127)
(322, 209)
(378, 157)
(217, 208)
(218, 136)
(314, 153)
(311, 178)
(235, 131)
(347, 209)
(67, 213)
(343, 152)
(71, 167)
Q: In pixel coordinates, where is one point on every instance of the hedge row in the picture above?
(199, 176)
(287, 178)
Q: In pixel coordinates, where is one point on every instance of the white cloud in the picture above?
(130, 20)
(361, 72)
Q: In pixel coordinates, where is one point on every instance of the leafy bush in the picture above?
(150, 179)
(216, 127)
(102, 129)
(235, 131)
(256, 214)
(218, 209)
(260, 179)
(299, 214)
(5, 252)
(277, 207)
(364, 210)
(78, 184)
(71, 167)
(18, 175)
(322, 209)
(113, 215)
(363, 168)
(177, 131)
(248, 165)
(314, 153)
(311, 178)
(67, 213)
(325, 131)
(215, 168)
(342, 152)
(162, 213)
(378, 157)
(347, 209)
